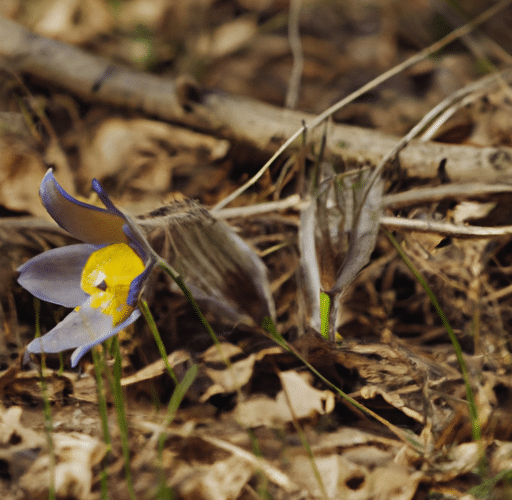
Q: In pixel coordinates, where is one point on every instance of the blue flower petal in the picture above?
(78, 353)
(86, 222)
(104, 198)
(137, 244)
(54, 276)
(137, 284)
(81, 329)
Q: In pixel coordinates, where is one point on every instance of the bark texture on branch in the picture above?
(94, 78)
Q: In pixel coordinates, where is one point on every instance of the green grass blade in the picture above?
(262, 483)
(181, 284)
(119, 403)
(143, 305)
(269, 327)
(47, 409)
(99, 371)
(484, 490)
(473, 409)
(179, 393)
(164, 492)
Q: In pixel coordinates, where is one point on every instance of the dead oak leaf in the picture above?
(226, 378)
(298, 399)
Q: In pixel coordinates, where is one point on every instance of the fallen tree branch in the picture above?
(419, 196)
(96, 79)
(444, 228)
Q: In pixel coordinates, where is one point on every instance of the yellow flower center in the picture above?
(107, 276)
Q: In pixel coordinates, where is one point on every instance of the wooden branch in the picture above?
(418, 196)
(264, 125)
(95, 79)
(444, 228)
(91, 77)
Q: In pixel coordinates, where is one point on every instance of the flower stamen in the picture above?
(107, 277)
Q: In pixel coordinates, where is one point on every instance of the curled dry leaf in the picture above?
(298, 399)
(27, 460)
(223, 480)
(226, 378)
(393, 398)
(21, 169)
(76, 455)
(143, 154)
(156, 368)
(342, 478)
(502, 459)
(74, 21)
(20, 446)
(471, 210)
(228, 38)
(11, 430)
(462, 459)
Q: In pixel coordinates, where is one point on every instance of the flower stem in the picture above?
(122, 421)
(99, 370)
(143, 305)
(174, 403)
(178, 279)
(48, 423)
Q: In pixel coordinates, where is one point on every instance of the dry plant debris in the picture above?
(173, 106)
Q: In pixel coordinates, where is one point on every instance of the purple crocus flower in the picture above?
(101, 279)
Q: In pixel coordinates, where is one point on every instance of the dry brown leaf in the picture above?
(227, 38)
(219, 353)
(393, 398)
(20, 445)
(21, 171)
(334, 471)
(342, 478)
(305, 402)
(224, 480)
(76, 455)
(347, 437)
(27, 385)
(26, 456)
(471, 210)
(142, 12)
(74, 21)
(227, 378)
(142, 153)
(258, 463)
(10, 423)
(502, 457)
(157, 368)
(392, 483)
(461, 460)
(85, 388)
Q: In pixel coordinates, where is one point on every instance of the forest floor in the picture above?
(167, 102)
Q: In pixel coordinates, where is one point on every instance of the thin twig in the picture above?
(498, 294)
(426, 120)
(419, 196)
(298, 58)
(274, 474)
(365, 88)
(292, 201)
(444, 228)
